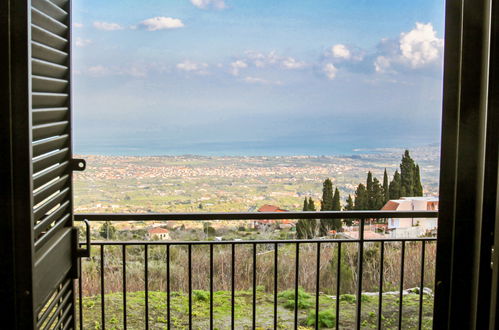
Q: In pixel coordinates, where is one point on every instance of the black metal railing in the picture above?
(275, 245)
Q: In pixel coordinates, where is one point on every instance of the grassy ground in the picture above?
(243, 310)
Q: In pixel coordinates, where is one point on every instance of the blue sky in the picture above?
(254, 76)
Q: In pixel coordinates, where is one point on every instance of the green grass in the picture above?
(243, 310)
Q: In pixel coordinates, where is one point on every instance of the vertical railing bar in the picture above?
(123, 251)
(168, 316)
(232, 281)
(317, 284)
(359, 275)
(211, 286)
(254, 287)
(80, 295)
(401, 293)
(276, 255)
(189, 262)
(381, 278)
(421, 286)
(102, 288)
(338, 286)
(297, 270)
(146, 284)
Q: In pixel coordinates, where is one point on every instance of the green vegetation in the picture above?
(243, 310)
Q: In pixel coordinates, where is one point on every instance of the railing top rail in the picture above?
(253, 215)
(288, 241)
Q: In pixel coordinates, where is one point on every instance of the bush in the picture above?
(303, 299)
(348, 298)
(201, 295)
(327, 318)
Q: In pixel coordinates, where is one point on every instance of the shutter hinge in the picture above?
(78, 164)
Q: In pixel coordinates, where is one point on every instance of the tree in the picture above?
(327, 204)
(311, 204)
(395, 186)
(327, 195)
(349, 207)
(407, 175)
(107, 230)
(336, 200)
(349, 203)
(418, 188)
(377, 196)
(306, 228)
(361, 198)
(386, 188)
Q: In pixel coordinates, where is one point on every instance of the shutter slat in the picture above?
(50, 9)
(46, 37)
(43, 20)
(50, 159)
(50, 144)
(40, 211)
(46, 176)
(52, 231)
(50, 189)
(49, 130)
(47, 53)
(43, 225)
(48, 69)
(45, 84)
(52, 100)
(49, 115)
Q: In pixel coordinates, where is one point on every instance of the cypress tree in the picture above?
(378, 196)
(305, 228)
(395, 186)
(327, 195)
(336, 200)
(361, 197)
(418, 187)
(386, 188)
(311, 204)
(327, 205)
(349, 207)
(407, 175)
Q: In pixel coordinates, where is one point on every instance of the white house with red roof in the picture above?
(267, 223)
(411, 227)
(158, 234)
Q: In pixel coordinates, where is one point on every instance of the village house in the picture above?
(272, 223)
(158, 234)
(411, 227)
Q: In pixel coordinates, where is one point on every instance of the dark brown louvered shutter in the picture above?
(42, 164)
(52, 164)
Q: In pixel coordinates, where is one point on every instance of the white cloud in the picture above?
(78, 25)
(291, 63)
(80, 42)
(330, 70)
(261, 60)
(161, 23)
(421, 46)
(107, 26)
(237, 66)
(341, 51)
(415, 49)
(188, 66)
(261, 81)
(205, 4)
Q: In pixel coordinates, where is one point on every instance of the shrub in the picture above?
(327, 318)
(201, 295)
(348, 298)
(303, 299)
